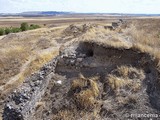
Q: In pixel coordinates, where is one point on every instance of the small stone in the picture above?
(59, 82)
(72, 62)
(82, 55)
(79, 59)
(9, 106)
(14, 91)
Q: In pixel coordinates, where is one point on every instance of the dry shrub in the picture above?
(85, 92)
(85, 99)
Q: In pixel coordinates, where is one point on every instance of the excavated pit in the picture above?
(90, 77)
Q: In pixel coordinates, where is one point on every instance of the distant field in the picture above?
(49, 21)
(62, 20)
(56, 21)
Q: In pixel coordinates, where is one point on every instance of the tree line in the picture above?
(24, 27)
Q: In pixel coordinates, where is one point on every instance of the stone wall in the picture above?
(21, 103)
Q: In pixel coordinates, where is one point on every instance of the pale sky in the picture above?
(83, 6)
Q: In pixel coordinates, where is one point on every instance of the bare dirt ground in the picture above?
(100, 73)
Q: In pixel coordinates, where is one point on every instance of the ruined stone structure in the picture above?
(89, 59)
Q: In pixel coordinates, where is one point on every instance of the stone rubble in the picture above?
(21, 102)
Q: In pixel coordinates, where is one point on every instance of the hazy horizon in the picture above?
(82, 12)
(82, 6)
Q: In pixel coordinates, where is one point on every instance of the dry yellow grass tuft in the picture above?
(79, 82)
(40, 104)
(94, 87)
(85, 99)
(116, 83)
(86, 92)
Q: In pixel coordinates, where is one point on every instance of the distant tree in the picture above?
(2, 32)
(36, 26)
(33, 26)
(24, 26)
(8, 30)
(15, 29)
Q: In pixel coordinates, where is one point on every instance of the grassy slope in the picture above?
(23, 54)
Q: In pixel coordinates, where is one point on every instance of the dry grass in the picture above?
(11, 61)
(76, 115)
(94, 32)
(129, 100)
(130, 72)
(145, 40)
(33, 65)
(85, 99)
(79, 82)
(116, 83)
(140, 39)
(40, 104)
(86, 92)
(23, 54)
(125, 77)
(39, 61)
(105, 37)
